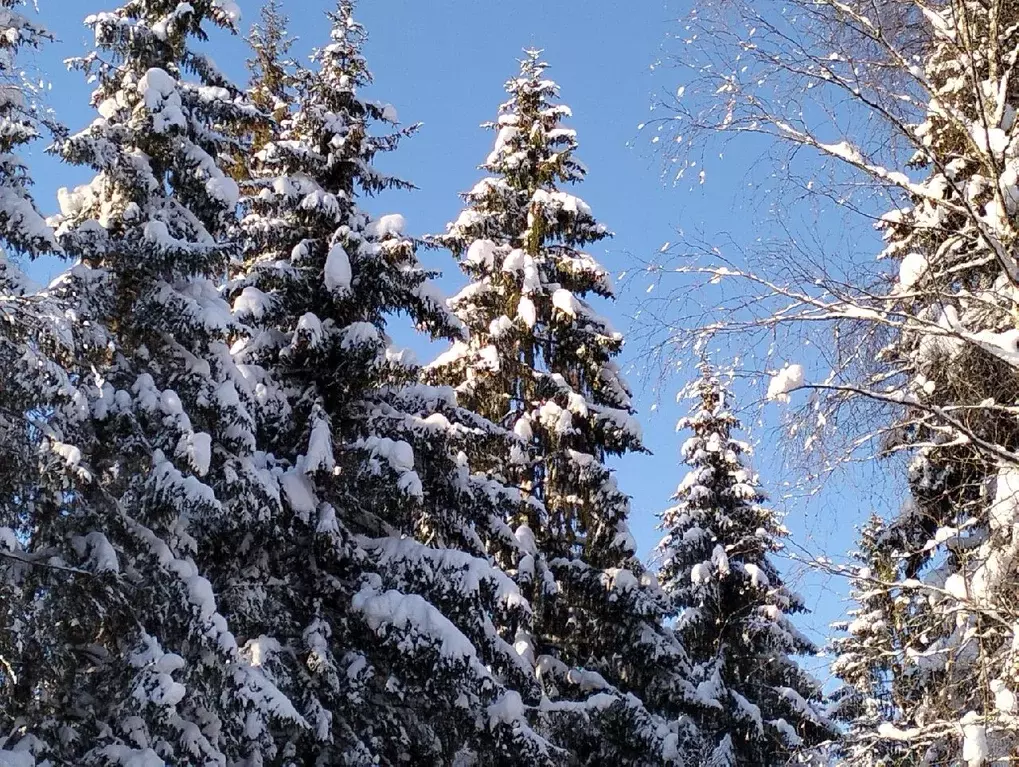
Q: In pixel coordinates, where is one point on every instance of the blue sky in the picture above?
(443, 64)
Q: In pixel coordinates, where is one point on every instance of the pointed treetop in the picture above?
(343, 58)
(533, 65)
(270, 65)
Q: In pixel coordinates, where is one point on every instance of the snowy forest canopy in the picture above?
(240, 526)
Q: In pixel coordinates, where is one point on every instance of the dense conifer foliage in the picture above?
(540, 360)
(732, 609)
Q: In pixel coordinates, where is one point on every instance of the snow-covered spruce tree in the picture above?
(375, 591)
(123, 657)
(540, 361)
(868, 656)
(732, 609)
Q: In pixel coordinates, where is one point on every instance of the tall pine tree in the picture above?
(374, 592)
(540, 361)
(756, 705)
(124, 656)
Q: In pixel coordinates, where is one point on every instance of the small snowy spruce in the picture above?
(23, 228)
(374, 592)
(755, 705)
(540, 361)
(868, 656)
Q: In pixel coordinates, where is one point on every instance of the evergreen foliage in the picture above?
(238, 526)
(123, 656)
(540, 360)
(271, 72)
(869, 660)
(36, 355)
(376, 583)
(732, 609)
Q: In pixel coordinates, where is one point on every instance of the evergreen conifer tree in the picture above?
(124, 656)
(757, 706)
(869, 658)
(540, 361)
(376, 586)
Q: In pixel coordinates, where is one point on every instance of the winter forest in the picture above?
(270, 494)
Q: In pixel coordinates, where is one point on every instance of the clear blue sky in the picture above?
(443, 64)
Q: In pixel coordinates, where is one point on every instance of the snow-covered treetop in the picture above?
(342, 115)
(532, 156)
(271, 70)
(151, 119)
(518, 239)
(531, 119)
(310, 242)
(718, 511)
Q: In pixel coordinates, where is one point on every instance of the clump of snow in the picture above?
(993, 140)
(391, 225)
(587, 680)
(102, 555)
(320, 448)
(758, 578)
(125, 756)
(566, 302)
(223, 189)
(1004, 698)
(527, 312)
(974, 741)
(309, 327)
(70, 453)
(337, 269)
(399, 454)
(159, 92)
(17, 758)
(911, 269)
(400, 457)
(507, 710)
(700, 573)
(955, 585)
(297, 489)
(198, 448)
(514, 262)
(409, 613)
(481, 253)
(252, 302)
(1004, 511)
(498, 327)
(889, 731)
(230, 10)
(784, 381)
